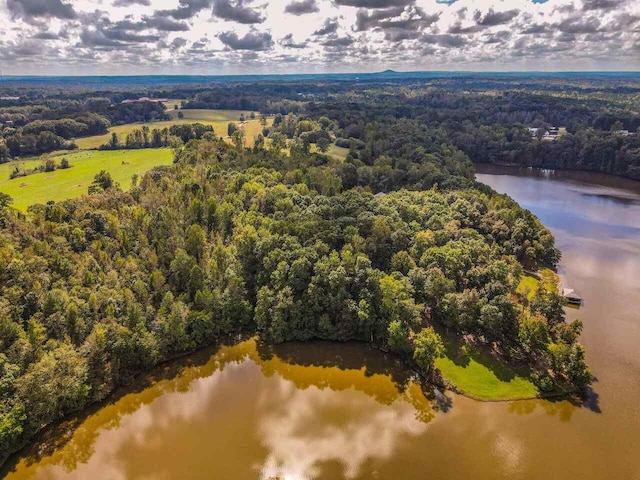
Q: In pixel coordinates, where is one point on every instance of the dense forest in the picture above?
(601, 135)
(486, 117)
(380, 249)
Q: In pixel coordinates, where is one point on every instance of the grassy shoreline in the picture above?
(474, 372)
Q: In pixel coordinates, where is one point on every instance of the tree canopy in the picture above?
(230, 239)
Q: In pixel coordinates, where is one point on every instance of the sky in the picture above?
(219, 37)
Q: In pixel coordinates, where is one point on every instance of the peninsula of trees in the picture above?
(292, 247)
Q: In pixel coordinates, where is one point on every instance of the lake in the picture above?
(323, 410)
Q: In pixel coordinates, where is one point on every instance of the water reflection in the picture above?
(249, 411)
(563, 409)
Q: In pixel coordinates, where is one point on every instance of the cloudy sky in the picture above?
(92, 37)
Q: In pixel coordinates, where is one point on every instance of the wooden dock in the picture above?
(572, 296)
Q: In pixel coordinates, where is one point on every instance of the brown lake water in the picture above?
(334, 411)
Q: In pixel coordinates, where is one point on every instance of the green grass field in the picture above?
(218, 119)
(174, 101)
(339, 153)
(481, 376)
(121, 164)
(531, 284)
(550, 280)
(73, 182)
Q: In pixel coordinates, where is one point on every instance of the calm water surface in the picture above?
(346, 411)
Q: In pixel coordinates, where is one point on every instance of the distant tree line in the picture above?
(493, 129)
(483, 115)
(145, 137)
(33, 130)
(588, 149)
(20, 144)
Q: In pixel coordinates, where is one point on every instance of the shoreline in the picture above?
(632, 183)
(427, 385)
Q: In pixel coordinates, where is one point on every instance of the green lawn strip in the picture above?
(203, 115)
(23, 165)
(73, 182)
(171, 102)
(339, 153)
(479, 375)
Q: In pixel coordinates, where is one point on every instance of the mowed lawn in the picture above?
(73, 182)
(481, 376)
(171, 102)
(531, 285)
(218, 119)
(528, 284)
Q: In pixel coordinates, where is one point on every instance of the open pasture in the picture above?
(63, 184)
(218, 119)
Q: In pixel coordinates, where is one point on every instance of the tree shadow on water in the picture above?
(442, 402)
(591, 399)
(562, 405)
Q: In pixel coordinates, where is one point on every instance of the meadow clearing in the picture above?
(62, 184)
(121, 164)
(218, 119)
(339, 153)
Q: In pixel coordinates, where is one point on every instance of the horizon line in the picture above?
(387, 71)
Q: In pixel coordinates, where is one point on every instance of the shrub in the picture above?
(544, 382)
(49, 165)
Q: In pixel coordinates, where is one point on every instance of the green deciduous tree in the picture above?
(427, 347)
